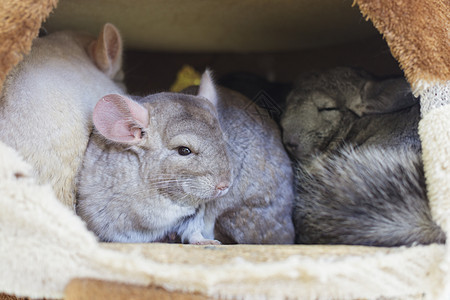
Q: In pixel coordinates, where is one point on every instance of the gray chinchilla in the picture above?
(258, 207)
(360, 176)
(345, 105)
(172, 163)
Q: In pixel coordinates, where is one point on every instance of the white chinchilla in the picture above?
(47, 101)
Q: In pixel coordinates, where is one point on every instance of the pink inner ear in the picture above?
(120, 119)
(138, 112)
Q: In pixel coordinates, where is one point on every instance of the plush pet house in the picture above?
(47, 252)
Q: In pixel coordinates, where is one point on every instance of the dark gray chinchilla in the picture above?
(360, 175)
(345, 105)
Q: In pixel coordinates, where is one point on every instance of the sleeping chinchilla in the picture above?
(358, 154)
(345, 105)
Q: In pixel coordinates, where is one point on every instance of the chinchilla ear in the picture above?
(207, 88)
(378, 97)
(120, 119)
(106, 50)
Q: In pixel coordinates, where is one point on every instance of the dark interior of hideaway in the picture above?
(240, 42)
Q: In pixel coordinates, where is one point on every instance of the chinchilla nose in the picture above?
(223, 185)
(222, 188)
(291, 146)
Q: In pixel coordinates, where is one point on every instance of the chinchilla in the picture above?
(360, 177)
(47, 101)
(346, 105)
(175, 162)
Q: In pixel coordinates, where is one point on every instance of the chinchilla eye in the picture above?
(184, 151)
(327, 109)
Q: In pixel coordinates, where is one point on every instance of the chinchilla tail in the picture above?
(365, 196)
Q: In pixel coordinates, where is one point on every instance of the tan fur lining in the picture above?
(20, 23)
(418, 34)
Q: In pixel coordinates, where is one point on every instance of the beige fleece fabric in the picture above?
(434, 130)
